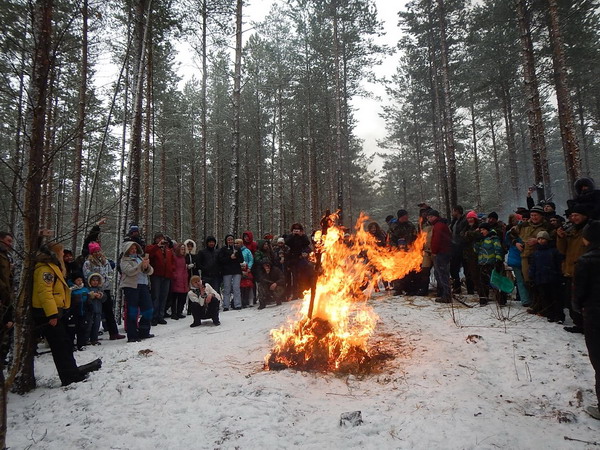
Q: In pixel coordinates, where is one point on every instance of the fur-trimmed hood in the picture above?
(194, 248)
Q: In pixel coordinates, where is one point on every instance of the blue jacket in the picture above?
(544, 265)
(514, 255)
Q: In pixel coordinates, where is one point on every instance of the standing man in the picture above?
(570, 243)
(161, 260)
(405, 235)
(6, 290)
(441, 247)
(208, 263)
(524, 238)
(459, 221)
(298, 265)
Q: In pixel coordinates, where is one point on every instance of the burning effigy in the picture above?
(334, 325)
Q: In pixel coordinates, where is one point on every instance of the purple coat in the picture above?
(179, 282)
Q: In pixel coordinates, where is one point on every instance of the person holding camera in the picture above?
(569, 241)
(161, 259)
(230, 259)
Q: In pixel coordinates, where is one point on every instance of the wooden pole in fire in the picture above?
(325, 223)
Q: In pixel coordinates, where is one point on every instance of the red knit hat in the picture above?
(94, 247)
(471, 215)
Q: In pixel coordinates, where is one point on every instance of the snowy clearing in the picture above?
(462, 379)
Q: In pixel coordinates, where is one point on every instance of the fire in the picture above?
(335, 337)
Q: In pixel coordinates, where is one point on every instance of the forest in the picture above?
(489, 98)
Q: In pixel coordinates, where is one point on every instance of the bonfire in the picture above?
(333, 327)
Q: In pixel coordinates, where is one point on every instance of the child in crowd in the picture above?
(204, 302)
(78, 321)
(94, 313)
(545, 275)
(490, 256)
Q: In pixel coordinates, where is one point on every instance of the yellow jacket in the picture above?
(50, 290)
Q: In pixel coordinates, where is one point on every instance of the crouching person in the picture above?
(204, 302)
(271, 286)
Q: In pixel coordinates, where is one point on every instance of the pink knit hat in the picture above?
(94, 247)
(471, 215)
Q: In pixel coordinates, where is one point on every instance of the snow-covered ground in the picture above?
(479, 377)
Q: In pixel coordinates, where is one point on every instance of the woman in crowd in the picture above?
(179, 282)
(96, 262)
(135, 272)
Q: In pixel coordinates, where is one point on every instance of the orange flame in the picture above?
(337, 334)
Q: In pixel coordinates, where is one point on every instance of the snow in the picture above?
(481, 377)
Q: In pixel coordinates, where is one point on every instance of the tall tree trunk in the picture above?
(147, 148)
(339, 151)
(142, 14)
(163, 185)
(259, 167)
(475, 157)
(513, 166)
(442, 184)
(22, 376)
(80, 127)
(563, 97)
(534, 111)
(18, 154)
(583, 128)
(447, 111)
(495, 158)
(204, 131)
(234, 196)
(50, 134)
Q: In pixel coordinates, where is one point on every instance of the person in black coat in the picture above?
(230, 259)
(297, 261)
(545, 275)
(587, 195)
(271, 286)
(587, 300)
(207, 262)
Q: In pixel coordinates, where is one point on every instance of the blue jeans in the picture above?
(523, 291)
(160, 292)
(441, 268)
(138, 301)
(232, 283)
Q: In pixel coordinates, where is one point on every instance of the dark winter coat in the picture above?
(441, 238)
(161, 260)
(457, 226)
(274, 276)
(402, 233)
(191, 257)
(590, 198)
(227, 265)
(544, 265)
(208, 262)
(298, 244)
(470, 235)
(587, 283)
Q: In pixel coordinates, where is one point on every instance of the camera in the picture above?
(567, 226)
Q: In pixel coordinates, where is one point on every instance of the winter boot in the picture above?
(114, 337)
(593, 411)
(90, 367)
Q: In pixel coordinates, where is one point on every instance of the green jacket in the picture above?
(489, 249)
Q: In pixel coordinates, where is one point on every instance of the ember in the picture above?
(335, 337)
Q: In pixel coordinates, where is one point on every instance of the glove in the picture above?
(499, 266)
(190, 266)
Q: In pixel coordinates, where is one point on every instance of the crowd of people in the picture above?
(551, 258)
